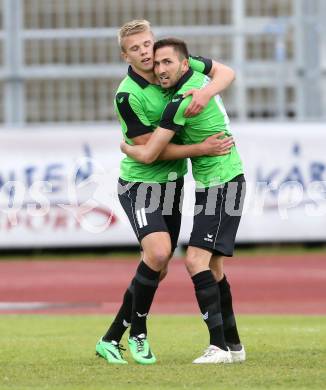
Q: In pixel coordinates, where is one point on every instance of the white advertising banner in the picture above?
(285, 168)
(58, 186)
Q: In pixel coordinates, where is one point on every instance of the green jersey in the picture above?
(139, 106)
(207, 171)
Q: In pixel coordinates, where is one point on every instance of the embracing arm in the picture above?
(221, 78)
(171, 151)
(215, 145)
(149, 152)
(149, 148)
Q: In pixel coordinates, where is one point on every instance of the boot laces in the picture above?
(140, 343)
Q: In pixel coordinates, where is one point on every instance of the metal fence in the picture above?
(60, 62)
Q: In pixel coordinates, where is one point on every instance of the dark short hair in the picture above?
(178, 45)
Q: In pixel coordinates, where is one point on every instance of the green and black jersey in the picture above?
(139, 106)
(207, 171)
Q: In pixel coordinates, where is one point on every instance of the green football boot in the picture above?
(140, 349)
(110, 351)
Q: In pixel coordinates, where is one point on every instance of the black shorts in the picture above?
(217, 216)
(153, 207)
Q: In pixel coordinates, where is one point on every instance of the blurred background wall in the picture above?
(60, 63)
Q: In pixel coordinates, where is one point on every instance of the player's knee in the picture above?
(160, 256)
(191, 263)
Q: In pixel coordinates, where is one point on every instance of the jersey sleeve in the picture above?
(173, 115)
(132, 113)
(200, 64)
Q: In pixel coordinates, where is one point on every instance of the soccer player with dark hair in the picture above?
(220, 189)
(139, 104)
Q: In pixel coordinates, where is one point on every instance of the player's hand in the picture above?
(199, 100)
(216, 145)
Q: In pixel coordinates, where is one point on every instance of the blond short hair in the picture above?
(131, 28)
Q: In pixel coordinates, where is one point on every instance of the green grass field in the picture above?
(57, 352)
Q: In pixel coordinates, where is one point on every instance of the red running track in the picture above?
(267, 284)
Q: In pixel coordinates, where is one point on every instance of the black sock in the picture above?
(229, 323)
(146, 282)
(123, 318)
(206, 290)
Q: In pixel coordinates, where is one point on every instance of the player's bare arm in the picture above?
(215, 145)
(222, 76)
(150, 151)
(157, 146)
(142, 139)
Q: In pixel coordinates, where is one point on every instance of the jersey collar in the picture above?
(183, 79)
(137, 78)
